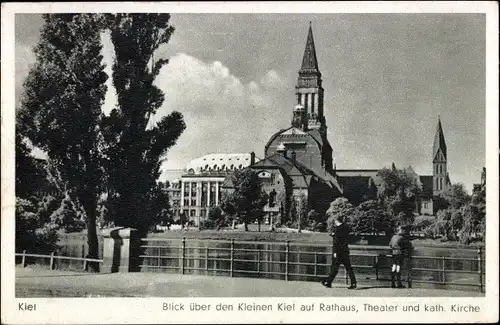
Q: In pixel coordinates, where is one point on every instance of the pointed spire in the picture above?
(439, 142)
(309, 60)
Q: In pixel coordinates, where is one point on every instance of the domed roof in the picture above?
(218, 162)
(299, 107)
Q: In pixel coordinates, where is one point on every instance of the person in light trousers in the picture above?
(401, 247)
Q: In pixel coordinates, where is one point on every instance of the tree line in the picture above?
(96, 161)
(460, 217)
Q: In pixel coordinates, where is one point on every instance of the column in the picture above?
(216, 193)
(182, 193)
(309, 103)
(120, 250)
(198, 196)
(303, 99)
(316, 101)
(208, 193)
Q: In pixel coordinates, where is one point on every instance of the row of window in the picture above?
(439, 184)
(191, 188)
(306, 99)
(439, 169)
(192, 203)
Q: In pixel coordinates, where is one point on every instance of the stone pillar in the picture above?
(316, 101)
(120, 250)
(198, 193)
(309, 103)
(182, 194)
(208, 193)
(303, 99)
(198, 201)
(216, 193)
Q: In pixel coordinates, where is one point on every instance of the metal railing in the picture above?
(265, 257)
(53, 257)
(209, 254)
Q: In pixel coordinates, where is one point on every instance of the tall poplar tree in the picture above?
(135, 147)
(61, 108)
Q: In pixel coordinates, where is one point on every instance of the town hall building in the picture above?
(298, 160)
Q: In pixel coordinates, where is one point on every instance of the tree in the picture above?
(29, 173)
(455, 196)
(61, 108)
(442, 226)
(258, 210)
(340, 207)
(316, 221)
(134, 145)
(422, 223)
(399, 194)
(216, 218)
(30, 234)
(474, 215)
(68, 217)
(183, 219)
(371, 217)
(299, 210)
(246, 202)
(160, 199)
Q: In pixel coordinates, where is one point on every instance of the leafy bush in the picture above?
(315, 221)
(371, 217)
(421, 223)
(68, 217)
(206, 224)
(474, 223)
(46, 238)
(339, 208)
(30, 234)
(46, 206)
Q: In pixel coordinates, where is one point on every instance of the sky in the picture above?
(387, 78)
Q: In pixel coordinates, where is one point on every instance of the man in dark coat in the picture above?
(340, 254)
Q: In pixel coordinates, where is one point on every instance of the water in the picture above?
(306, 262)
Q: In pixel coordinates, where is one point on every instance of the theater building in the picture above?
(201, 182)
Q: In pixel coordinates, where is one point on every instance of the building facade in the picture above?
(202, 180)
(297, 163)
(174, 196)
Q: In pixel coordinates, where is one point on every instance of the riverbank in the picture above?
(305, 237)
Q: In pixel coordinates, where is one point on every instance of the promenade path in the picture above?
(37, 282)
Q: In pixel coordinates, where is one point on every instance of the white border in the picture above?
(148, 310)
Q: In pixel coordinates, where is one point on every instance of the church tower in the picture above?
(440, 158)
(307, 137)
(309, 91)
